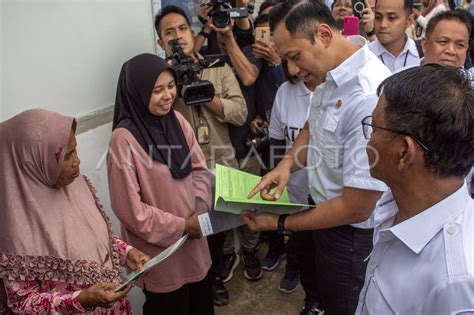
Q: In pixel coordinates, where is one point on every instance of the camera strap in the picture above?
(202, 127)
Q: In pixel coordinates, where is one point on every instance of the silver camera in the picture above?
(358, 7)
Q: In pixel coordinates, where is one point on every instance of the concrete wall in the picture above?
(65, 55)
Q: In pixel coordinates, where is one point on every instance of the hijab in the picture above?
(431, 5)
(155, 134)
(49, 233)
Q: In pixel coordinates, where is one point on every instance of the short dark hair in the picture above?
(277, 14)
(264, 5)
(301, 16)
(260, 19)
(407, 5)
(435, 104)
(450, 15)
(164, 12)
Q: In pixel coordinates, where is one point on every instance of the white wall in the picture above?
(65, 55)
(91, 147)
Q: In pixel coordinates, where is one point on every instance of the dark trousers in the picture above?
(191, 299)
(300, 250)
(300, 255)
(340, 255)
(216, 248)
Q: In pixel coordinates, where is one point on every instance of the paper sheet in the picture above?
(133, 276)
(233, 186)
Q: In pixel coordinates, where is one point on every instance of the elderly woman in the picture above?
(58, 253)
(158, 183)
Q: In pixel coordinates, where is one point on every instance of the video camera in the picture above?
(222, 12)
(262, 137)
(193, 90)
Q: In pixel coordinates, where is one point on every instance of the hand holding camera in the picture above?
(221, 12)
(367, 18)
(261, 137)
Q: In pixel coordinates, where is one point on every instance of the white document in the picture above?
(213, 222)
(135, 275)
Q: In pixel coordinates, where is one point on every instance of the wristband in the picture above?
(203, 34)
(371, 33)
(281, 225)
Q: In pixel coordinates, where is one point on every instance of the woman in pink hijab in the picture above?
(430, 9)
(58, 253)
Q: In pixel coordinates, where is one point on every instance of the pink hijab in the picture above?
(48, 233)
(431, 5)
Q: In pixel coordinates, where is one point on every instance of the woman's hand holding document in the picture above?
(150, 263)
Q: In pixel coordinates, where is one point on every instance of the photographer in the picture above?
(242, 28)
(269, 80)
(343, 8)
(210, 121)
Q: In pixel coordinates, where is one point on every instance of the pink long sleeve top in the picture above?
(152, 207)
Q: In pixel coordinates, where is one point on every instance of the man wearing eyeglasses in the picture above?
(331, 146)
(422, 145)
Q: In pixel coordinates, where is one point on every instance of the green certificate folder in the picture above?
(233, 186)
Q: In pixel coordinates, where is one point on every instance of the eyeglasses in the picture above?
(367, 129)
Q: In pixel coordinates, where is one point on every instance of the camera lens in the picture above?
(220, 19)
(359, 7)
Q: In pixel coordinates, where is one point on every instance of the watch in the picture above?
(203, 34)
(281, 225)
(371, 33)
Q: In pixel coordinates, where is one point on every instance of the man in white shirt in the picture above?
(393, 46)
(422, 146)
(347, 76)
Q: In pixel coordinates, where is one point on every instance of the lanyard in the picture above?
(404, 62)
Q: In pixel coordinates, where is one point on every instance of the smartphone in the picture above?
(351, 25)
(262, 33)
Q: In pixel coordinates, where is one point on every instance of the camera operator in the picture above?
(242, 28)
(210, 121)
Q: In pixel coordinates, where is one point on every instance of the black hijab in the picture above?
(135, 85)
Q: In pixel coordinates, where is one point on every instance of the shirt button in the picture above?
(452, 229)
(371, 269)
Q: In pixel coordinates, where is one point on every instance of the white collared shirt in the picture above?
(289, 114)
(425, 264)
(336, 156)
(406, 59)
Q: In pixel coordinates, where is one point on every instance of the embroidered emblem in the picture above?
(58, 153)
(338, 104)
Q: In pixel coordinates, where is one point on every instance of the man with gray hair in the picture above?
(422, 146)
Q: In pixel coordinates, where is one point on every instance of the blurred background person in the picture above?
(430, 9)
(393, 46)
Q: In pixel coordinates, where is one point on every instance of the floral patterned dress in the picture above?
(50, 297)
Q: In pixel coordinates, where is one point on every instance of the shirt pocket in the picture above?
(374, 301)
(331, 150)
